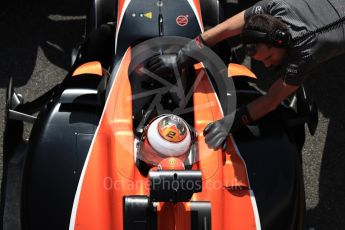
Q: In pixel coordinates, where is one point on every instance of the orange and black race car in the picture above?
(115, 146)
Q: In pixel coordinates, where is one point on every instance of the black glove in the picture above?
(162, 64)
(217, 132)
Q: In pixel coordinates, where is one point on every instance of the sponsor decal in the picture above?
(171, 163)
(182, 20)
(172, 129)
(258, 10)
(171, 134)
(148, 15)
(292, 69)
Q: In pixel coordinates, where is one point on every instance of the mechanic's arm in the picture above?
(229, 28)
(164, 64)
(267, 103)
(217, 132)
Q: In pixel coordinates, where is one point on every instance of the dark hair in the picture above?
(265, 23)
(264, 28)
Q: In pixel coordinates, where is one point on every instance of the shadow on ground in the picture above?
(323, 154)
(35, 48)
(53, 26)
(327, 86)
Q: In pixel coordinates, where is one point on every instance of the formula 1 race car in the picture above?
(115, 146)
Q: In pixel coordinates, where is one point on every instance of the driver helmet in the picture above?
(165, 136)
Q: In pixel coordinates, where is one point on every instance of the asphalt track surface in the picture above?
(36, 41)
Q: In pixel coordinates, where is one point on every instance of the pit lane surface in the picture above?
(35, 46)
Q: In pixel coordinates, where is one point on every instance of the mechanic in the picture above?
(292, 36)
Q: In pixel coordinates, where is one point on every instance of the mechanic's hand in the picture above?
(186, 55)
(162, 64)
(217, 132)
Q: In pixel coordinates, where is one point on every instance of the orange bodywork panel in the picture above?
(234, 171)
(222, 174)
(94, 67)
(120, 6)
(110, 172)
(198, 8)
(235, 70)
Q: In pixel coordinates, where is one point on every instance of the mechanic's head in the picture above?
(266, 39)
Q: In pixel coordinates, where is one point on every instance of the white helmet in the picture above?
(166, 136)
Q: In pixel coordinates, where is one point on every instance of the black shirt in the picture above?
(304, 16)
